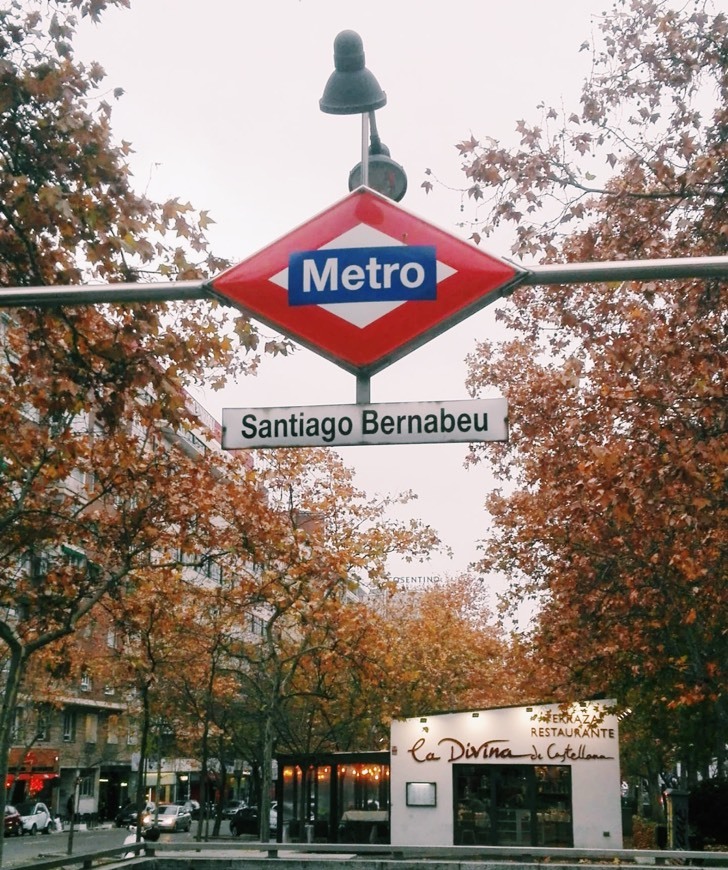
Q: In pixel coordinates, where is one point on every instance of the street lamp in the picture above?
(385, 176)
(353, 90)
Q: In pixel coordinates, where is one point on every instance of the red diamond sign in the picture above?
(365, 282)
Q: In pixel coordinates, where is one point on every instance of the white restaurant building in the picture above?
(517, 776)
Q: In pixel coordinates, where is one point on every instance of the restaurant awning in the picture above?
(35, 760)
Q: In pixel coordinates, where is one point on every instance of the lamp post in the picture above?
(383, 174)
(73, 805)
(353, 90)
(164, 731)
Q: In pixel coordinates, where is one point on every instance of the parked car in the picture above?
(192, 807)
(231, 807)
(173, 817)
(13, 822)
(245, 821)
(35, 816)
(127, 815)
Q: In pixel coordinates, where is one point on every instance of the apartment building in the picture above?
(76, 743)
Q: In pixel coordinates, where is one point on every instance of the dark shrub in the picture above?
(708, 811)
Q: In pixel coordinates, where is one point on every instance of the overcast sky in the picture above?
(221, 105)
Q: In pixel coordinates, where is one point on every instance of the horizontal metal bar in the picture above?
(553, 273)
(92, 294)
(627, 270)
(532, 855)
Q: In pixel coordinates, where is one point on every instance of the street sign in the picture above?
(365, 282)
(349, 425)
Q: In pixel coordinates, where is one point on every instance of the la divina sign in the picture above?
(523, 752)
(580, 728)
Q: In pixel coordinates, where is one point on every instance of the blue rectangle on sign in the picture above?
(387, 274)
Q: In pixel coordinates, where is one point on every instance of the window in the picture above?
(132, 736)
(39, 566)
(109, 690)
(125, 503)
(92, 727)
(111, 638)
(513, 805)
(85, 682)
(257, 625)
(78, 560)
(58, 423)
(43, 726)
(89, 479)
(112, 729)
(211, 569)
(17, 726)
(69, 726)
(86, 785)
(74, 558)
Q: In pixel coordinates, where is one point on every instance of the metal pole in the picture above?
(75, 803)
(159, 773)
(365, 149)
(89, 294)
(363, 390)
(552, 274)
(627, 270)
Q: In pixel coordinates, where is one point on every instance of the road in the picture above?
(23, 850)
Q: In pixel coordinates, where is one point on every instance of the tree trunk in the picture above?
(12, 688)
(223, 780)
(204, 809)
(140, 798)
(266, 779)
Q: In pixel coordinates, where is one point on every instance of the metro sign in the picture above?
(365, 282)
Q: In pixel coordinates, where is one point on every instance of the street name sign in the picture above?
(350, 425)
(365, 282)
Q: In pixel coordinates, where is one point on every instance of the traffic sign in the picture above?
(365, 282)
(347, 425)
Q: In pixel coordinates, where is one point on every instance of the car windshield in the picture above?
(169, 811)
(26, 809)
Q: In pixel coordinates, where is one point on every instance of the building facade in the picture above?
(518, 776)
(545, 775)
(80, 755)
(76, 741)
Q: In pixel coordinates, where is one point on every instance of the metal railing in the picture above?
(490, 854)
(84, 860)
(384, 853)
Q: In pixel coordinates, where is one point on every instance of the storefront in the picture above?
(32, 774)
(113, 790)
(337, 797)
(517, 776)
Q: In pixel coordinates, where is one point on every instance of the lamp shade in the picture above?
(351, 88)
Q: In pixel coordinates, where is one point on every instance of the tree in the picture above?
(436, 649)
(323, 539)
(86, 394)
(612, 514)
(198, 686)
